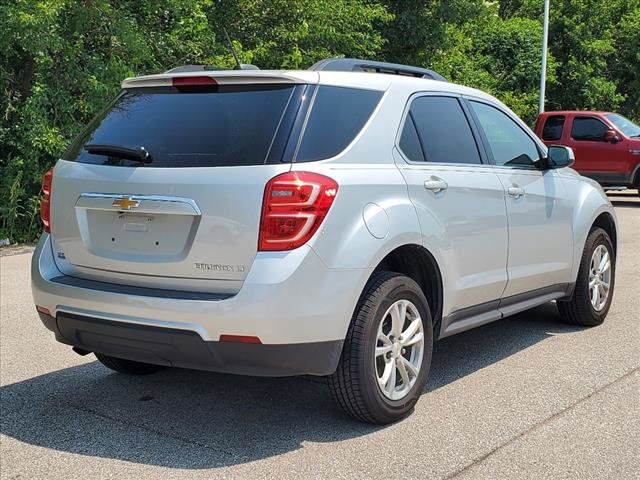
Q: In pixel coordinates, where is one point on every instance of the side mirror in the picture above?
(611, 136)
(559, 156)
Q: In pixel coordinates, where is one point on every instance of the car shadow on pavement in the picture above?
(187, 419)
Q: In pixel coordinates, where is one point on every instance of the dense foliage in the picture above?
(61, 60)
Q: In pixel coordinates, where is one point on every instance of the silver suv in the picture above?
(335, 222)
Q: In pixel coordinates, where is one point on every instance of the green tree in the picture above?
(419, 28)
(510, 52)
(625, 64)
(501, 57)
(592, 42)
(297, 33)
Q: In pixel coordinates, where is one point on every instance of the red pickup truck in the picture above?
(606, 145)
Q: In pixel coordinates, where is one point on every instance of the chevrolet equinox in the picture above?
(334, 222)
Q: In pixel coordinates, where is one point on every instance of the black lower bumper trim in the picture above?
(186, 349)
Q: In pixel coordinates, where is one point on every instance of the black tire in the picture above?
(128, 367)
(578, 310)
(354, 384)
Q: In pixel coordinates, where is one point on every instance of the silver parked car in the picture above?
(335, 221)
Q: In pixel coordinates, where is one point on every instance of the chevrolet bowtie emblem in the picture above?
(126, 203)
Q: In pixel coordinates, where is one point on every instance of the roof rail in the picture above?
(358, 65)
(203, 68)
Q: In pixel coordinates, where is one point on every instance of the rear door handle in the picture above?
(515, 192)
(436, 185)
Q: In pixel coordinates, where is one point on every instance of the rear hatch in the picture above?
(164, 187)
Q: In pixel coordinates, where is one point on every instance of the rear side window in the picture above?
(436, 130)
(231, 127)
(337, 116)
(409, 141)
(588, 128)
(553, 127)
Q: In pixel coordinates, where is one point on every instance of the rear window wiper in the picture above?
(139, 154)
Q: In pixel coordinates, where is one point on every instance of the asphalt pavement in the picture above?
(526, 397)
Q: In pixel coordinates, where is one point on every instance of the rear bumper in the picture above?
(183, 348)
(299, 308)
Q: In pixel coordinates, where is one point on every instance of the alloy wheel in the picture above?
(600, 277)
(399, 349)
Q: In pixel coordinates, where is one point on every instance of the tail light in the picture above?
(294, 206)
(45, 205)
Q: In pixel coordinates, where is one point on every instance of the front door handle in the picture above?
(436, 185)
(515, 192)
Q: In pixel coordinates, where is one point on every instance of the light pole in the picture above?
(543, 69)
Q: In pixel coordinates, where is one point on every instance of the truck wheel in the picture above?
(592, 295)
(127, 366)
(387, 351)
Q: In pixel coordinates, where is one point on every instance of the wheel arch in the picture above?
(417, 263)
(593, 210)
(635, 177)
(606, 221)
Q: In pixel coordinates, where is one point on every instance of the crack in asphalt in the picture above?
(145, 428)
(536, 426)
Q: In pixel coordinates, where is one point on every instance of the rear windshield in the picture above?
(195, 129)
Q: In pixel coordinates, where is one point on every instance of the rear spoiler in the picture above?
(222, 77)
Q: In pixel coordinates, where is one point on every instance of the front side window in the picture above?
(588, 129)
(509, 143)
(436, 130)
(337, 116)
(553, 127)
